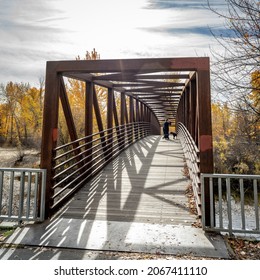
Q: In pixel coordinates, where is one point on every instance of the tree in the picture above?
(221, 120)
(236, 79)
(21, 114)
(255, 94)
(12, 95)
(240, 58)
(235, 140)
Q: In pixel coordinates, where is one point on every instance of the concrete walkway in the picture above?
(136, 204)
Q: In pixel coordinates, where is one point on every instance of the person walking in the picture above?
(166, 129)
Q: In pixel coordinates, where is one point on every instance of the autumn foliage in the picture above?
(21, 114)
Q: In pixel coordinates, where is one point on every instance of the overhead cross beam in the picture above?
(133, 76)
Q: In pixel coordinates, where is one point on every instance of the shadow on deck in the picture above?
(136, 204)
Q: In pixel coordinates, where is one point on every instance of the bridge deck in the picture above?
(136, 204)
(144, 184)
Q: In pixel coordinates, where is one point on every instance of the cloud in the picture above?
(188, 18)
(197, 30)
(33, 32)
(180, 4)
(29, 36)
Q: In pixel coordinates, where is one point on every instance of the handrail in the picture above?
(191, 153)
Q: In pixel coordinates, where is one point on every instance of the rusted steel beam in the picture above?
(146, 84)
(99, 120)
(126, 110)
(160, 96)
(131, 109)
(152, 89)
(67, 112)
(122, 108)
(163, 77)
(126, 65)
(124, 77)
(89, 122)
(142, 111)
(122, 118)
(50, 130)
(69, 118)
(115, 114)
(205, 132)
(137, 116)
(86, 77)
(110, 111)
(186, 106)
(193, 107)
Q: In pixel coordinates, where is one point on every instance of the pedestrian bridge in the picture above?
(140, 95)
(121, 169)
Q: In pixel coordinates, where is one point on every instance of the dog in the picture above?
(174, 135)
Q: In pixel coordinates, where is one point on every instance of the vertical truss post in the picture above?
(99, 121)
(69, 118)
(131, 116)
(193, 107)
(122, 119)
(205, 132)
(137, 119)
(186, 107)
(110, 110)
(89, 123)
(142, 119)
(50, 129)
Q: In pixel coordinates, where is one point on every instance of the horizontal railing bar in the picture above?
(234, 176)
(94, 134)
(78, 155)
(219, 229)
(90, 142)
(117, 139)
(18, 170)
(114, 153)
(82, 160)
(78, 148)
(74, 180)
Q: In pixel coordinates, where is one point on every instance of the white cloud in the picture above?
(33, 32)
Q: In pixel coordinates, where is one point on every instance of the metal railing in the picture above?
(234, 203)
(22, 194)
(76, 162)
(191, 153)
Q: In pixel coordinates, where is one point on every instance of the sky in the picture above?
(33, 32)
